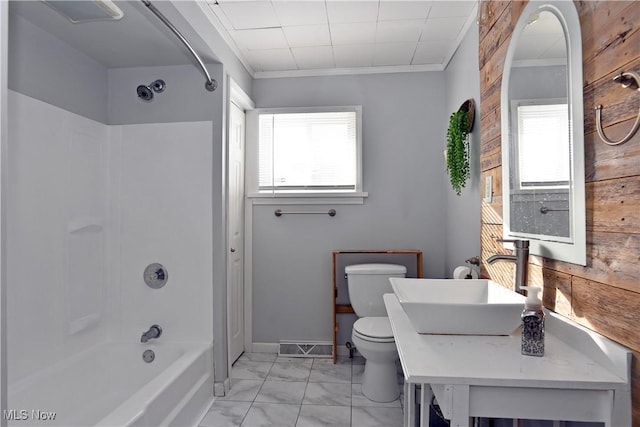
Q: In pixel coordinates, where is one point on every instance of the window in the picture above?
(308, 152)
(543, 144)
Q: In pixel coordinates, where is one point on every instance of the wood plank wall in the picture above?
(604, 295)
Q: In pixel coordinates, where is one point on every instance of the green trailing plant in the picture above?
(458, 150)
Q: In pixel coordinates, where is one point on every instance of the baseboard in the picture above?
(342, 350)
(265, 347)
(269, 347)
(221, 388)
(305, 349)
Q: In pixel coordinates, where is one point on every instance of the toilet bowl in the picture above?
(373, 338)
(372, 334)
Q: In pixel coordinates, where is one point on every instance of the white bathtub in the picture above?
(110, 385)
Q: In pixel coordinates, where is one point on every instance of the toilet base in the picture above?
(380, 381)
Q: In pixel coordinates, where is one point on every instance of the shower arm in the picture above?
(210, 84)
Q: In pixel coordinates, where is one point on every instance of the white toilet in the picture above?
(372, 334)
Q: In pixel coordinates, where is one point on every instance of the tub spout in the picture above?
(154, 332)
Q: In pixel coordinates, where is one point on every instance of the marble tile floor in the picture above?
(273, 391)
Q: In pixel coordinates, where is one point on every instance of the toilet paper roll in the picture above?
(461, 272)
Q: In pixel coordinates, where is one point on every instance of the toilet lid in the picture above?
(374, 327)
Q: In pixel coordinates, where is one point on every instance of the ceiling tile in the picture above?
(320, 34)
(250, 14)
(399, 31)
(391, 10)
(543, 23)
(430, 53)
(448, 8)
(442, 29)
(219, 13)
(264, 38)
(393, 53)
(309, 58)
(557, 49)
(352, 11)
(292, 13)
(307, 35)
(353, 56)
(356, 33)
(537, 47)
(271, 60)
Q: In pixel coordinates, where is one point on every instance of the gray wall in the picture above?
(184, 98)
(462, 81)
(538, 82)
(46, 68)
(403, 123)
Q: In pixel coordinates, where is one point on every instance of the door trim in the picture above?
(240, 98)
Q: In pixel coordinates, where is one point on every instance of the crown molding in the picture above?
(219, 26)
(387, 69)
(461, 35)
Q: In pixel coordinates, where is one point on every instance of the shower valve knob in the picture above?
(155, 276)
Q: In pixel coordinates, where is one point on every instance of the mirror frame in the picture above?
(575, 251)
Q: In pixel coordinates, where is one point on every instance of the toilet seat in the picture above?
(373, 329)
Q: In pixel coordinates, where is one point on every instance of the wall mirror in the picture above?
(543, 133)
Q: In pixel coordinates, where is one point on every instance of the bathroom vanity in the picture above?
(583, 376)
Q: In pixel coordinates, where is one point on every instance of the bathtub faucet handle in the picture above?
(154, 332)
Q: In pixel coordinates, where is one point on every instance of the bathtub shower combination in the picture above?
(111, 385)
(82, 357)
(94, 206)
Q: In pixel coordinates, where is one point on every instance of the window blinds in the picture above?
(543, 144)
(307, 152)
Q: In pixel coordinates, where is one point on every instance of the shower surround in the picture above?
(89, 207)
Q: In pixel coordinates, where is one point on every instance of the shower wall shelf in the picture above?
(346, 308)
(88, 224)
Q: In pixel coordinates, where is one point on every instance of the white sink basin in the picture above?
(459, 307)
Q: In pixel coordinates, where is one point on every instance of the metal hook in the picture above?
(630, 80)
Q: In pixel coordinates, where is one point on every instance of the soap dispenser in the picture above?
(532, 324)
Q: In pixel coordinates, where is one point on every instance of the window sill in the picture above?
(308, 198)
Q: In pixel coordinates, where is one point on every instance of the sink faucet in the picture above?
(520, 258)
(154, 332)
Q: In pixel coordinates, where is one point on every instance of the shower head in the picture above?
(146, 92)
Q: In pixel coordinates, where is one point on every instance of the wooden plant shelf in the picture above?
(346, 308)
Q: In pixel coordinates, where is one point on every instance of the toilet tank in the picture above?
(367, 284)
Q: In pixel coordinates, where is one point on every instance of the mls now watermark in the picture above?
(28, 415)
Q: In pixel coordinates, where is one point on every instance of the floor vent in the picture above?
(305, 349)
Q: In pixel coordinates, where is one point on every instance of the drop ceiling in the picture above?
(276, 38)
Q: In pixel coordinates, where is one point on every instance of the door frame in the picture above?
(240, 98)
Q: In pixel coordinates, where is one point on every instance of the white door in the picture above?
(235, 267)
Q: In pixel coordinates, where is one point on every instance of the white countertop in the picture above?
(492, 360)
(576, 361)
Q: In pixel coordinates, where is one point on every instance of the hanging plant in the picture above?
(460, 126)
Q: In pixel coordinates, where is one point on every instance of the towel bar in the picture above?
(280, 212)
(544, 210)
